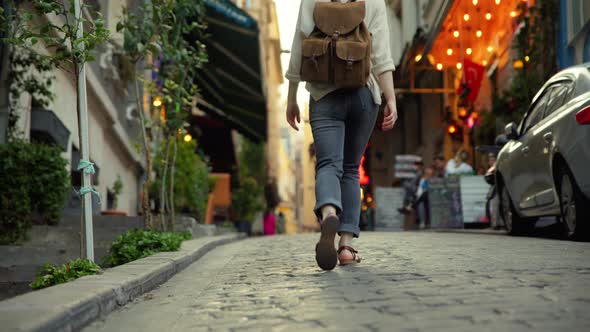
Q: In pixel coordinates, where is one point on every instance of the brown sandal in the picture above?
(325, 252)
(355, 257)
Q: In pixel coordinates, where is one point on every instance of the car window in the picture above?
(559, 96)
(536, 113)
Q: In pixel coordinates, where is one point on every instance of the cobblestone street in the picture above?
(413, 281)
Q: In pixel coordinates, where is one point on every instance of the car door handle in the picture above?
(525, 150)
(548, 137)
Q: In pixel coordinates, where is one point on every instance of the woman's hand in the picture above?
(293, 116)
(389, 116)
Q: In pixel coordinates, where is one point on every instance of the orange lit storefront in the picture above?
(473, 50)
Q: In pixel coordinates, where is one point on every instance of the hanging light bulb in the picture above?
(450, 51)
(439, 66)
(513, 14)
(188, 138)
(498, 2)
(488, 16)
(418, 58)
(490, 49)
(526, 58)
(485, 62)
(475, 2)
(468, 51)
(459, 65)
(478, 33)
(466, 17)
(456, 33)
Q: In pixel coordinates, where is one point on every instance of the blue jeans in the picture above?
(342, 123)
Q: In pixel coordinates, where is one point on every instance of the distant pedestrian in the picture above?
(439, 166)
(281, 223)
(269, 223)
(346, 71)
(459, 165)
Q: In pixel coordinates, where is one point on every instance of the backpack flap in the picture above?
(350, 63)
(338, 18)
(315, 61)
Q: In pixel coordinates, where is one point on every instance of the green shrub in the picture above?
(33, 179)
(139, 243)
(52, 275)
(191, 179)
(246, 200)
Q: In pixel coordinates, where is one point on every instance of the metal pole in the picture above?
(83, 135)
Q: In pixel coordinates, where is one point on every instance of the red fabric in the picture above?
(269, 224)
(473, 74)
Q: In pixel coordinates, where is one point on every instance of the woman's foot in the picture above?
(325, 253)
(348, 255)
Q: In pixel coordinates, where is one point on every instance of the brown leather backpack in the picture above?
(338, 51)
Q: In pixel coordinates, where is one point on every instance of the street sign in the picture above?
(444, 196)
(387, 201)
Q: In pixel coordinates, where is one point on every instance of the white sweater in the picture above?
(376, 20)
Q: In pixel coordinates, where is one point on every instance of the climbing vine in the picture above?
(534, 45)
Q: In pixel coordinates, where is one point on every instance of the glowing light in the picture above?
(439, 66)
(478, 33)
(518, 64)
(488, 16)
(459, 65)
(468, 51)
(452, 129)
(490, 49)
(498, 2)
(475, 2)
(475, 115)
(513, 14)
(157, 102)
(470, 122)
(364, 178)
(430, 59)
(485, 62)
(418, 58)
(188, 138)
(450, 51)
(462, 112)
(526, 58)
(466, 17)
(456, 33)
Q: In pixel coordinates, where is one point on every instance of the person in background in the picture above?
(439, 166)
(269, 223)
(459, 165)
(411, 187)
(281, 223)
(421, 205)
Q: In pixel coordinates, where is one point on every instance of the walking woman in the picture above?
(341, 50)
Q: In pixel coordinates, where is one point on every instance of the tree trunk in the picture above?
(163, 187)
(172, 172)
(82, 226)
(145, 204)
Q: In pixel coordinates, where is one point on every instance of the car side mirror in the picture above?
(510, 131)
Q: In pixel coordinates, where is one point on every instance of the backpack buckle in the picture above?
(349, 63)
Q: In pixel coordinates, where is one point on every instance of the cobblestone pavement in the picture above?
(413, 281)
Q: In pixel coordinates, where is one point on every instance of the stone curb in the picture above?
(71, 306)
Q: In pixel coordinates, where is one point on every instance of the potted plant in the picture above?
(114, 193)
(245, 204)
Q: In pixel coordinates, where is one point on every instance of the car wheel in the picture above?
(573, 206)
(514, 223)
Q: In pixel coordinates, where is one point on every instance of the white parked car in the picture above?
(544, 170)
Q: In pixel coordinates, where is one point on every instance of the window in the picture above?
(535, 114)
(559, 96)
